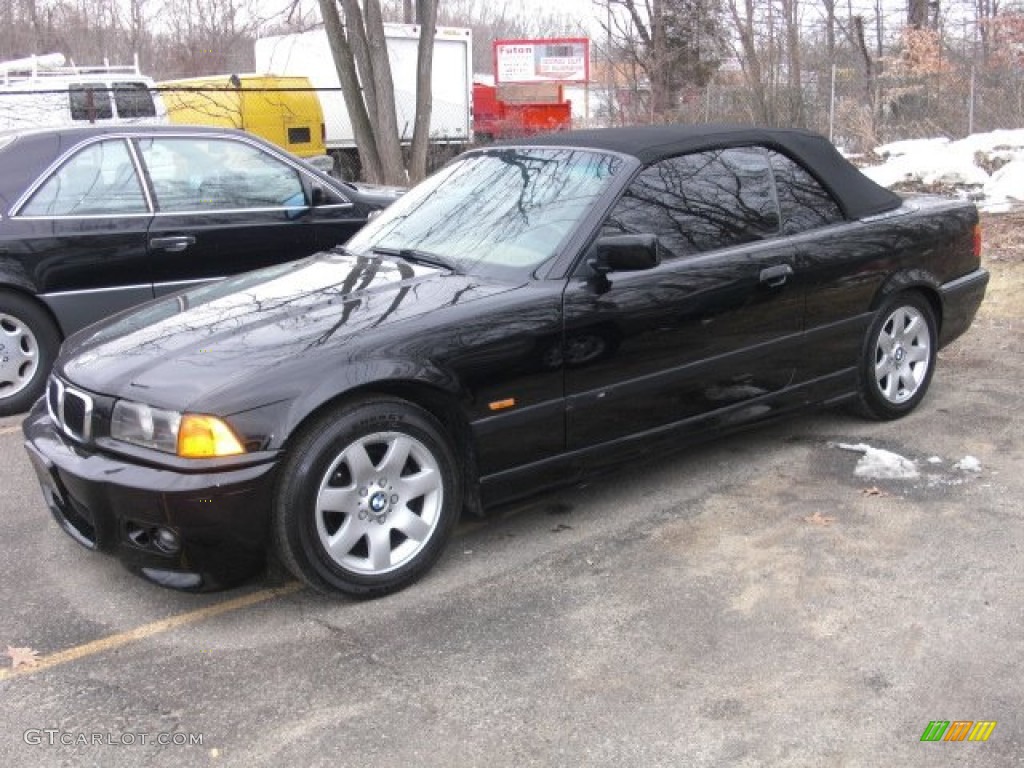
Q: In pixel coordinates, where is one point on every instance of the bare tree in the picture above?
(427, 18)
(206, 36)
(356, 103)
(672, 44)
(917, 14)
(359, 47)
(791, 20)
(986, 14)
(746, 23)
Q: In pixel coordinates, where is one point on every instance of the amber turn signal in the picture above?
(201, 437)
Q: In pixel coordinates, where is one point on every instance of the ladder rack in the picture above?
(54, 65)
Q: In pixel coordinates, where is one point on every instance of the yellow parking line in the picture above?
(148, 630)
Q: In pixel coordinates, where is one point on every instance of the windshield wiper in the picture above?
(417, 257)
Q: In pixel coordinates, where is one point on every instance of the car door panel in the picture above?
(80, 235)
(223, 207)
(714, 327)
(680, 341)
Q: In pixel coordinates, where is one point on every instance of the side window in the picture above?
(198, 174)
(133, 100)
(101, 179)
(804, 203)
(90, 102)
(701, 201)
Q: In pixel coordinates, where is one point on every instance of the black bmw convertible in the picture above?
(528, 314)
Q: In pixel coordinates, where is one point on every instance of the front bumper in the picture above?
(199, 531)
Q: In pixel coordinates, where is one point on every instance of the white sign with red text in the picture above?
(562, 60)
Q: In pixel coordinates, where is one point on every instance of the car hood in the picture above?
(171, 352)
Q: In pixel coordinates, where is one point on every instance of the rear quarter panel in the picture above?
(849, 270)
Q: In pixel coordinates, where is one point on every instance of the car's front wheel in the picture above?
(367, 498)
(898, 358)
(28, 345)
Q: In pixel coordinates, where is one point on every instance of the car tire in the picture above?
(29, 341)
(367, 498)
(898, 359)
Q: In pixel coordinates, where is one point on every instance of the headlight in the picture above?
(188, 435)
(146, 426)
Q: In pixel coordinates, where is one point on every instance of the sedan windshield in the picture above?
(501, 213)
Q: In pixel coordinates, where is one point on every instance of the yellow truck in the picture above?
(284, 110)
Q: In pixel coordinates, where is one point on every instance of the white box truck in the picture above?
(308, 54)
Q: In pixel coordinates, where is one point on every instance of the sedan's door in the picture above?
(710, 334)
(80, 234)
(223, 206)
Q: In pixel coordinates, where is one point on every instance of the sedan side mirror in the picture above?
(625, 253)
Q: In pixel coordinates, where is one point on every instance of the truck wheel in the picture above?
(367, 498)
(29, 341)
(898, 358)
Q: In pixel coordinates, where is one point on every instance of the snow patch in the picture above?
(961, 163)
(968, 464)
(879, 464)
(1006, 184)
(942, 164)
(911, 147)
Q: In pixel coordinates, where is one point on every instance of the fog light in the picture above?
(137, 535)
(166, 540)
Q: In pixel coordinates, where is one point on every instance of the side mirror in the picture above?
(317, 196)
(625, 253)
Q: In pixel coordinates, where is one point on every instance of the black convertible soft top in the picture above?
(856, 194)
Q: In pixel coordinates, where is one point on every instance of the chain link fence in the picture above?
(859, 116)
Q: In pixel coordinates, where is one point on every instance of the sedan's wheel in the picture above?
(899, 357)
(367, 498)
(28, 345)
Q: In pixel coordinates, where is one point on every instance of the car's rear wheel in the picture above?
(899, 357)
(367, 498)
(28, 345)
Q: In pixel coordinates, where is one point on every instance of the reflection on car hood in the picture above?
(170, 352)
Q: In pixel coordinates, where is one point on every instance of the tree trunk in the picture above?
(917, 14)
(750, 61)
(386, 121)
(830, 30)
(344, 62)
(356, 34)
(791, 9)
(869, 74)
(427, 13)
(661, 98)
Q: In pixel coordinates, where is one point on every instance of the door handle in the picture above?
(174, 244)
(775, 276)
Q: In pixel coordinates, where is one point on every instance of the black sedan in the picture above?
(94, 220)
(528, 314)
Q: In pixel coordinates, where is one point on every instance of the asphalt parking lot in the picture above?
(751, 602)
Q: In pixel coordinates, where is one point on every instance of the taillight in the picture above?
(977, 241)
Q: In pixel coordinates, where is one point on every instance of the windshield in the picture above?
(499, 213)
